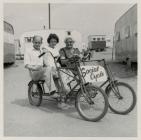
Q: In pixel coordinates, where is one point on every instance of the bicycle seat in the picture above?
(38, 81)
(41, 81)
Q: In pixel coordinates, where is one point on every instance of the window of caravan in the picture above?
(117, 36)
(98, 39)
(135, 30)
(94, 39)
(28, 39)
(127, 32)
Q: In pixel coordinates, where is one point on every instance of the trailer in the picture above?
(125, 37)
(97, 42)
(8, 43)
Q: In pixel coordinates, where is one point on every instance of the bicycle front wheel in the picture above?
(92, 105)
(122, 98)
(35, 94)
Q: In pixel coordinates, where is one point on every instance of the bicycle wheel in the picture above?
(94, 110)
(35, 94)
(121, 102)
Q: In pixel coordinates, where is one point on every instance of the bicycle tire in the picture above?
(103, 112)
(39, 92)
(133, 95)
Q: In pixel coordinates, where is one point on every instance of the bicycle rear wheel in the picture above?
(35, 94)
(94, 110)
(123, 101)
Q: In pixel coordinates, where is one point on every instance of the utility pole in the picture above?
(49, 16)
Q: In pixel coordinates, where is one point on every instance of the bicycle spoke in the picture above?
(125, 102)
(95, 109)
(34, 95)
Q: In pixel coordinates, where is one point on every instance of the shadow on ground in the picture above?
(9, 65)
(48, 107)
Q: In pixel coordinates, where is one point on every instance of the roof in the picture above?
(134, 6)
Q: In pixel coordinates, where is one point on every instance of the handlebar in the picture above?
(85, 57)
(77, 58)
(98, 60)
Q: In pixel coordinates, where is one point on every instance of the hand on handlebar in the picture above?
(74, 58)
(77, 57)
(86, 56)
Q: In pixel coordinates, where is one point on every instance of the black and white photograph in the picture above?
(70, 69)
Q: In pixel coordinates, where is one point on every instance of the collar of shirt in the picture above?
(36, 50)
(54, 51)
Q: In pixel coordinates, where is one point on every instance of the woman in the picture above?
(65, 53)
(53, 83)
(69, 51)
(48, 59)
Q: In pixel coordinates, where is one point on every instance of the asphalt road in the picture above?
(22, 119)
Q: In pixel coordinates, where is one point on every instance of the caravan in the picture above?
(125, 38)
(9, 46)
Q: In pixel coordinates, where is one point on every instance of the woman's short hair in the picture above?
(52, 36)
(69, 37)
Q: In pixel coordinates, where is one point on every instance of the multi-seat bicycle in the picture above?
(91, 101)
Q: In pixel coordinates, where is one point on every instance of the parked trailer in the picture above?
(97, 42)
(27, 37)
(125, 38)
(8, 43)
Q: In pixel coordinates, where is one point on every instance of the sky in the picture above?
(88, 19)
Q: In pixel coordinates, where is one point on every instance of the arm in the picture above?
(33, 67)
(63, 59)
(48, 59)
(27, 63)
(78, 53)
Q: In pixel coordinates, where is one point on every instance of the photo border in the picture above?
(70, 138)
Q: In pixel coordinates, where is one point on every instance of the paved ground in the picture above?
(22, 119)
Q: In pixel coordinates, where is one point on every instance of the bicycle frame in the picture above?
(78, 78)
(84, 76)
